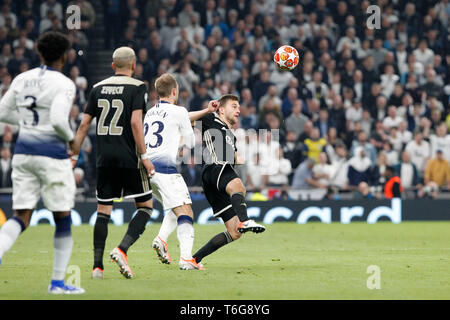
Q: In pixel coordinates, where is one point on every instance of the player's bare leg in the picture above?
(236, 190)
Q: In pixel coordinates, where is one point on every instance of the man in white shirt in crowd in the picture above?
(419, 150)
(323, 171)
(392, 120)
(440, 141)
(407, 171)
(339, 162)
(280, 177)
(403, 133)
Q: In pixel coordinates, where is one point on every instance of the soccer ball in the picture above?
(286, 58)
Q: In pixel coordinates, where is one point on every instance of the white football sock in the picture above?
(62, 252)
(62, 244)
(8, 235)
(185, 233)
(168, 225)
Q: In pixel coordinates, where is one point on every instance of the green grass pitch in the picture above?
(288, 261)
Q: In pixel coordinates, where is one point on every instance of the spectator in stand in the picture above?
(338, 115)
(391, 154)
(392, 119)
(440, 141)
(404, 134)
(323, 123)
(260, 86)
(395, 140)
(15, 62)
(52, 5)
(353, 115)
(8, 140)
(407, 171)
(292, 149)
(437, 172)
(369, 149)
(388, 80)
(339, 163)
(419, 150)
(423, 54)
(81, 85)
(288, 102)
(318, 89)
(303, 176)
(280, 178)
(359, 167)
(363, 191)
(296, 120)
(257, 177)
(431, 87)
(378, 52)
(270, 95)
(314, 145)
(323, 172)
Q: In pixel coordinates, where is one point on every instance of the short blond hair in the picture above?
(123, 57)
(164, 85)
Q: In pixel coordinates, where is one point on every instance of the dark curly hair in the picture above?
(52, 46)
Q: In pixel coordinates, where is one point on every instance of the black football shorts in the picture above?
(117, 183)
(215, 178)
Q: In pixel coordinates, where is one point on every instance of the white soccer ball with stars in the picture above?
(286, 58)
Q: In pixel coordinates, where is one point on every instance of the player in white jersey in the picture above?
(39, 101)
(165, 125)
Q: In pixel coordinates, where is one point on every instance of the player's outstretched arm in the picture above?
(196, 115)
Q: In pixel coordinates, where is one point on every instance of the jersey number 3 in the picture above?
(159, 138)
(113, 129)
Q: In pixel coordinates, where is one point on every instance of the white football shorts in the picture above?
(34, 177)
(170, 190)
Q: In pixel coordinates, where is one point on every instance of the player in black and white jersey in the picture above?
(123, 167)
(223, 188)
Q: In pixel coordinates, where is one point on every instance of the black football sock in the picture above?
(239, 206)
(135, 228)
(215, 243)
(100, 234)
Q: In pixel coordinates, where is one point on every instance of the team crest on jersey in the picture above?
(229, 140)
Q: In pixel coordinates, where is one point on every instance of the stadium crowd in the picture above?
(21, 23)
(362, 107)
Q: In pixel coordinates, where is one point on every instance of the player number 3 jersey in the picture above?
(42, 98)
(165, 125)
